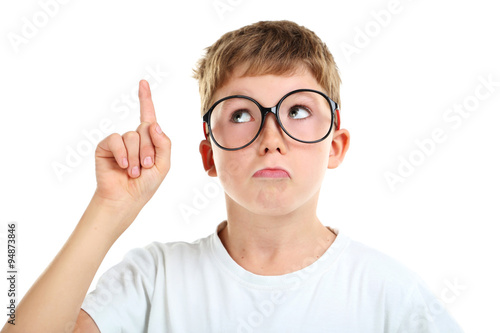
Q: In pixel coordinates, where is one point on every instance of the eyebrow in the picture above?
(239, 92)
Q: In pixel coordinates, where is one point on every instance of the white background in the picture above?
(428, 56)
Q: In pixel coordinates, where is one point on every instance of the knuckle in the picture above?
(168, 142)
(112, 137)
(109, 143)
(131, 135)
(143, 127)
(116, 141)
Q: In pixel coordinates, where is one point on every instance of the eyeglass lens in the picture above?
(305, 115)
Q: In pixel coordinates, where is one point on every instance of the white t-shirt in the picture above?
(197, 287)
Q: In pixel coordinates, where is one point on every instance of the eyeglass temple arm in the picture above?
(205, 130)
(337, 113)
(337, 119)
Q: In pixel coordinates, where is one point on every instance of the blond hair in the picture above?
(266, 47)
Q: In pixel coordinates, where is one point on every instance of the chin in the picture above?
(274, 206)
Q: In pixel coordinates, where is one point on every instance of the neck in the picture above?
(275, 244)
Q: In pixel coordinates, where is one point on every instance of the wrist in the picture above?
(114, 206)
(110, 217)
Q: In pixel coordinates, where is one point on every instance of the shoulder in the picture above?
(151, 263)
(380, 267)
(156, 253)
(379, 278)
(379, 281)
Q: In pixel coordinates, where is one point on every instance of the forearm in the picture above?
(53, 302)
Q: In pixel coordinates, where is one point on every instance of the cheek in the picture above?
(229, 166)
(313, 157)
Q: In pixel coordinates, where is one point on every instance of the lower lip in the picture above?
(271, 173)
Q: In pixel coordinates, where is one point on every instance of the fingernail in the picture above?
(158, 129)
(124, 162)
(148, 161)
(135, 171)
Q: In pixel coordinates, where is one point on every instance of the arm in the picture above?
(85, 324)
(125, 183)
(53, 302)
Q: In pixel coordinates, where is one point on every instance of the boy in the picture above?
(270, 100)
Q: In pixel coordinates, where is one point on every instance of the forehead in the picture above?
(266, 88)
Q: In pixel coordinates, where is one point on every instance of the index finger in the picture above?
(147, 108)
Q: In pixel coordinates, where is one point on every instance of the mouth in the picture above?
(271, 173)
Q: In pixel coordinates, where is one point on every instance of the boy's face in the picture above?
(247, 175)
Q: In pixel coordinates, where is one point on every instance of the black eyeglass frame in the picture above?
(274, 110)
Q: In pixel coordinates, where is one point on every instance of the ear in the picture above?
(340, 144)
(208, 158)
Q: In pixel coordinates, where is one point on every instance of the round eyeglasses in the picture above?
(305, 115)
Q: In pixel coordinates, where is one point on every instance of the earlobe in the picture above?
(338, 149)
(207, 158)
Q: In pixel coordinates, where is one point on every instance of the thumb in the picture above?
(162, 148)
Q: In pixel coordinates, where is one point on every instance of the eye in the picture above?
(240, 116)
(299, 112)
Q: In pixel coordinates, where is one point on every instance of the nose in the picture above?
(272, 137)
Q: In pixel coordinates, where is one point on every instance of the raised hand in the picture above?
(131, 167)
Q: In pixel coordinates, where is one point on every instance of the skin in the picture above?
(272, 226)
(126, 181)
